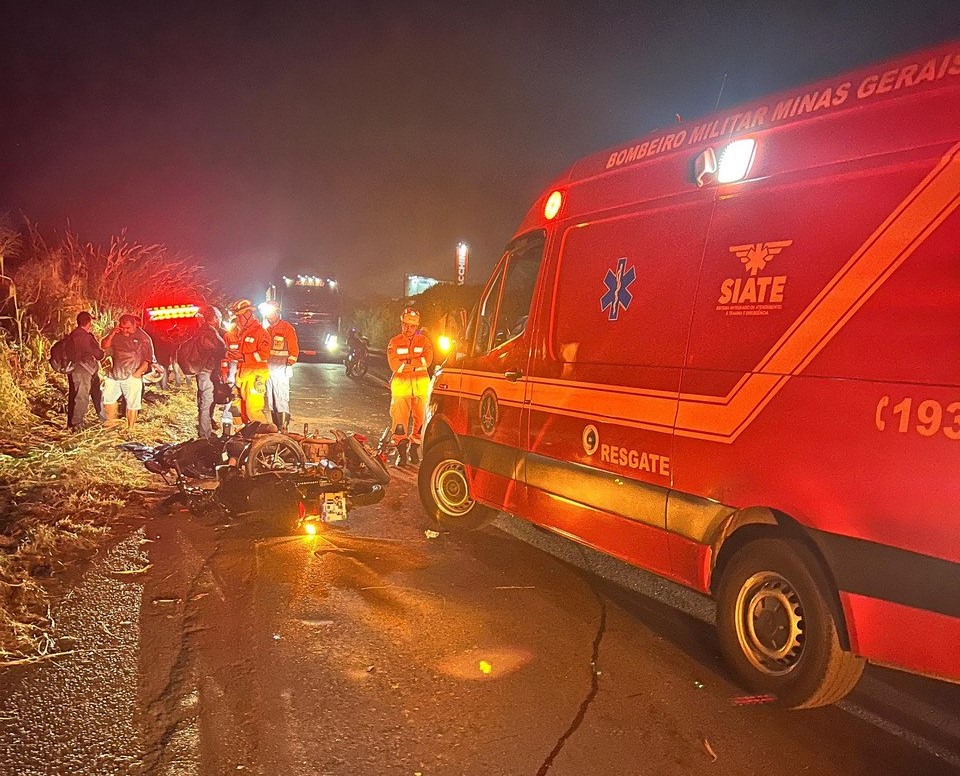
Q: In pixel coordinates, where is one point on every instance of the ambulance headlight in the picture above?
(735, 160)
(331, 343)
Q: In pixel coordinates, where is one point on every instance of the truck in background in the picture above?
(314, 306)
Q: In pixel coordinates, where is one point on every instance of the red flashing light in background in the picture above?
(172, 312)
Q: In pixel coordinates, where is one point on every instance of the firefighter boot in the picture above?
(402, 445)
(415, 454)
(275, 419)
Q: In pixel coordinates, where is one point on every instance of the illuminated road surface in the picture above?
(377, 649)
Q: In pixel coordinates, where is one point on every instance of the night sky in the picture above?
(366, 139)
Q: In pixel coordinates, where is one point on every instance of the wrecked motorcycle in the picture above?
(258, 470)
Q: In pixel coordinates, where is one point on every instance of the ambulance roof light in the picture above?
(171, 312)
(552, 207)
(735, 160)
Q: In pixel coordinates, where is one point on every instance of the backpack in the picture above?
(61, 359)
(202, 350)
(190, 355)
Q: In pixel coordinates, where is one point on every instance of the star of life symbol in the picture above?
(618, 296)
(488, 412)
(756, 256)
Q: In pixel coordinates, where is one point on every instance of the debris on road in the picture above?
(753, 700)
(713, 754)
(127, 572)
(431, 534)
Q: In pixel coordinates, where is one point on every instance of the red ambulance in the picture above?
(729, 352)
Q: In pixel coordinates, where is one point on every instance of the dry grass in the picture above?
(60, 496)
(58, 275)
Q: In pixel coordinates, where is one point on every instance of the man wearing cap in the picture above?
(284, 352)
(251, 350)
(409, 355)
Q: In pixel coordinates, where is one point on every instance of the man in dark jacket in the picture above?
(84, 378)
(211, 350)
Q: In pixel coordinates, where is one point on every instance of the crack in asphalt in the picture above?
(163, 708)
(594, 689)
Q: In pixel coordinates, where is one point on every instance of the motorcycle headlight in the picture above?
(332, 343)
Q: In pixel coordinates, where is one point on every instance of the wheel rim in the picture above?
(770, 623)
(450, 490)
(271, 459)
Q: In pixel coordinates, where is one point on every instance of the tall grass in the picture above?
(60, 494)
(59, 275)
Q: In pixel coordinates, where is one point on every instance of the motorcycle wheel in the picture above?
(273, 453)
(356, 370)
(377, 469)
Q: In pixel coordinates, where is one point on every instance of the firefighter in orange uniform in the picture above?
(284, 352)
(250, 348)
(409, 355)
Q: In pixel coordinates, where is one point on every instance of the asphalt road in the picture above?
(376, 648)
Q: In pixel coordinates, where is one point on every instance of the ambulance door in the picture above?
(606, 374)
(494, 376)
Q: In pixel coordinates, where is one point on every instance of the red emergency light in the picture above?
(173, 312)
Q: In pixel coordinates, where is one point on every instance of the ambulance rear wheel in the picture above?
(445, 491)
(777, 629)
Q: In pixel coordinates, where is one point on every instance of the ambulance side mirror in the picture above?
(705, 165)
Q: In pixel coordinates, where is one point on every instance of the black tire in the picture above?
(356, 368)
(444, 490)
(777, 628)
(374, 466)
(271, 453)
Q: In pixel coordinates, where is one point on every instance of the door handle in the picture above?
(513, 376)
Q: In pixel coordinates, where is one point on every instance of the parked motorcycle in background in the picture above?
(357, 358)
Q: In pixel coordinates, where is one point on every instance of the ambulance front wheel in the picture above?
(777, 629)
(445, 491)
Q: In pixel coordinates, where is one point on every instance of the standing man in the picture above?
(131, 353)
(250, 350)
(84, 378)
(211, 350)
(228, 377)
(284, 352)
(409, 355)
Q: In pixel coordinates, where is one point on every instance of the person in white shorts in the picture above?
(131, 353)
